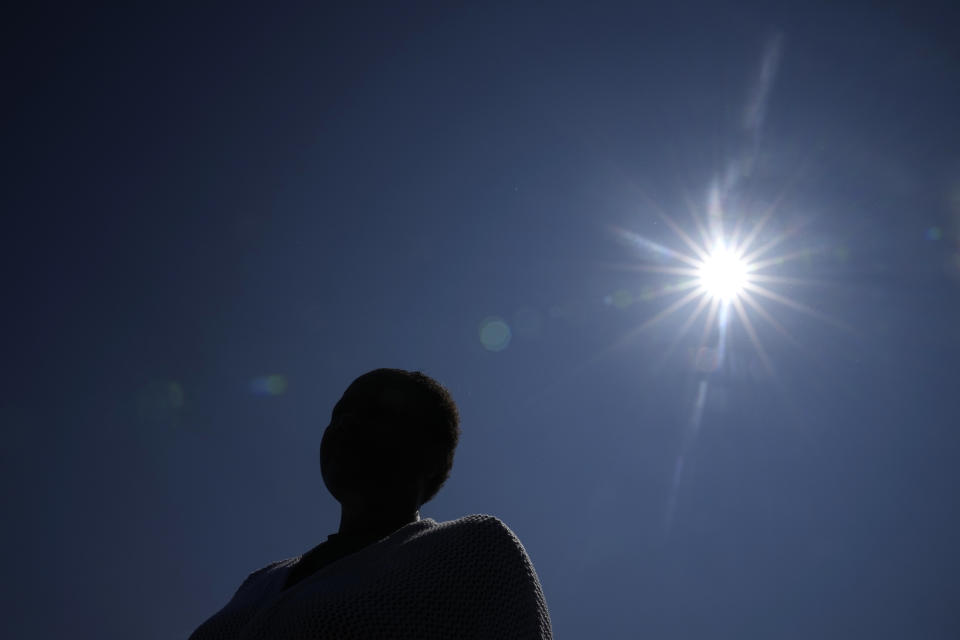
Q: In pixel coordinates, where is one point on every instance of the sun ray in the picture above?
(675, 306)
(685, 327)
(676, 287)
(781, 259)
(754, 338)
(772, 279)
(697, 249)
(756, 306)
(768, 214)
(715, 210)
(708, 324)
(669, 289)
(701, 305)
(748, 241)
(638, 241)
(797, 306)
(655, 268)
(765, 248)
(734, 237)
(774, 242)
(692, 210)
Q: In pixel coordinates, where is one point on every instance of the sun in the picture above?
(723, 274)
(722, 278)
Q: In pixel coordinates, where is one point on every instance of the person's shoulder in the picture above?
(484, 527)
(265, 573)
(270, 567)
(481, 522)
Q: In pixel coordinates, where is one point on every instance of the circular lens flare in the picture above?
(723, 274)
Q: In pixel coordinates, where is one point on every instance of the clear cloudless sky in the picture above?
(215, 216)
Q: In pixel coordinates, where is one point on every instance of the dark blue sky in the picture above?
(196, 198)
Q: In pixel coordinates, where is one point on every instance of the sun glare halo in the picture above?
(723, 274)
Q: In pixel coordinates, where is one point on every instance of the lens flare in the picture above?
(273, 385)
(494, 333)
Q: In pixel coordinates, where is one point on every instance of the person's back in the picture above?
(387, 573)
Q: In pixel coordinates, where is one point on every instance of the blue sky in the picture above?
(201, 198)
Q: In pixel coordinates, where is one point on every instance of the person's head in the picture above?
(391, 438)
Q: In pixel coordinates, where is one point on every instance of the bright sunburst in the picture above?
(722, 277)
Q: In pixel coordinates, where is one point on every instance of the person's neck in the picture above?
(374, 523)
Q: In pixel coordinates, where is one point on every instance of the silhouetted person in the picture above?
(386, 573)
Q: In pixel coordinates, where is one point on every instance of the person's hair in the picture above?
(422, 410)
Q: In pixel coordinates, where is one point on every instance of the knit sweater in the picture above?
(462, 579)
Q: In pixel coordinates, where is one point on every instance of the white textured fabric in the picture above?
(467, 578)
